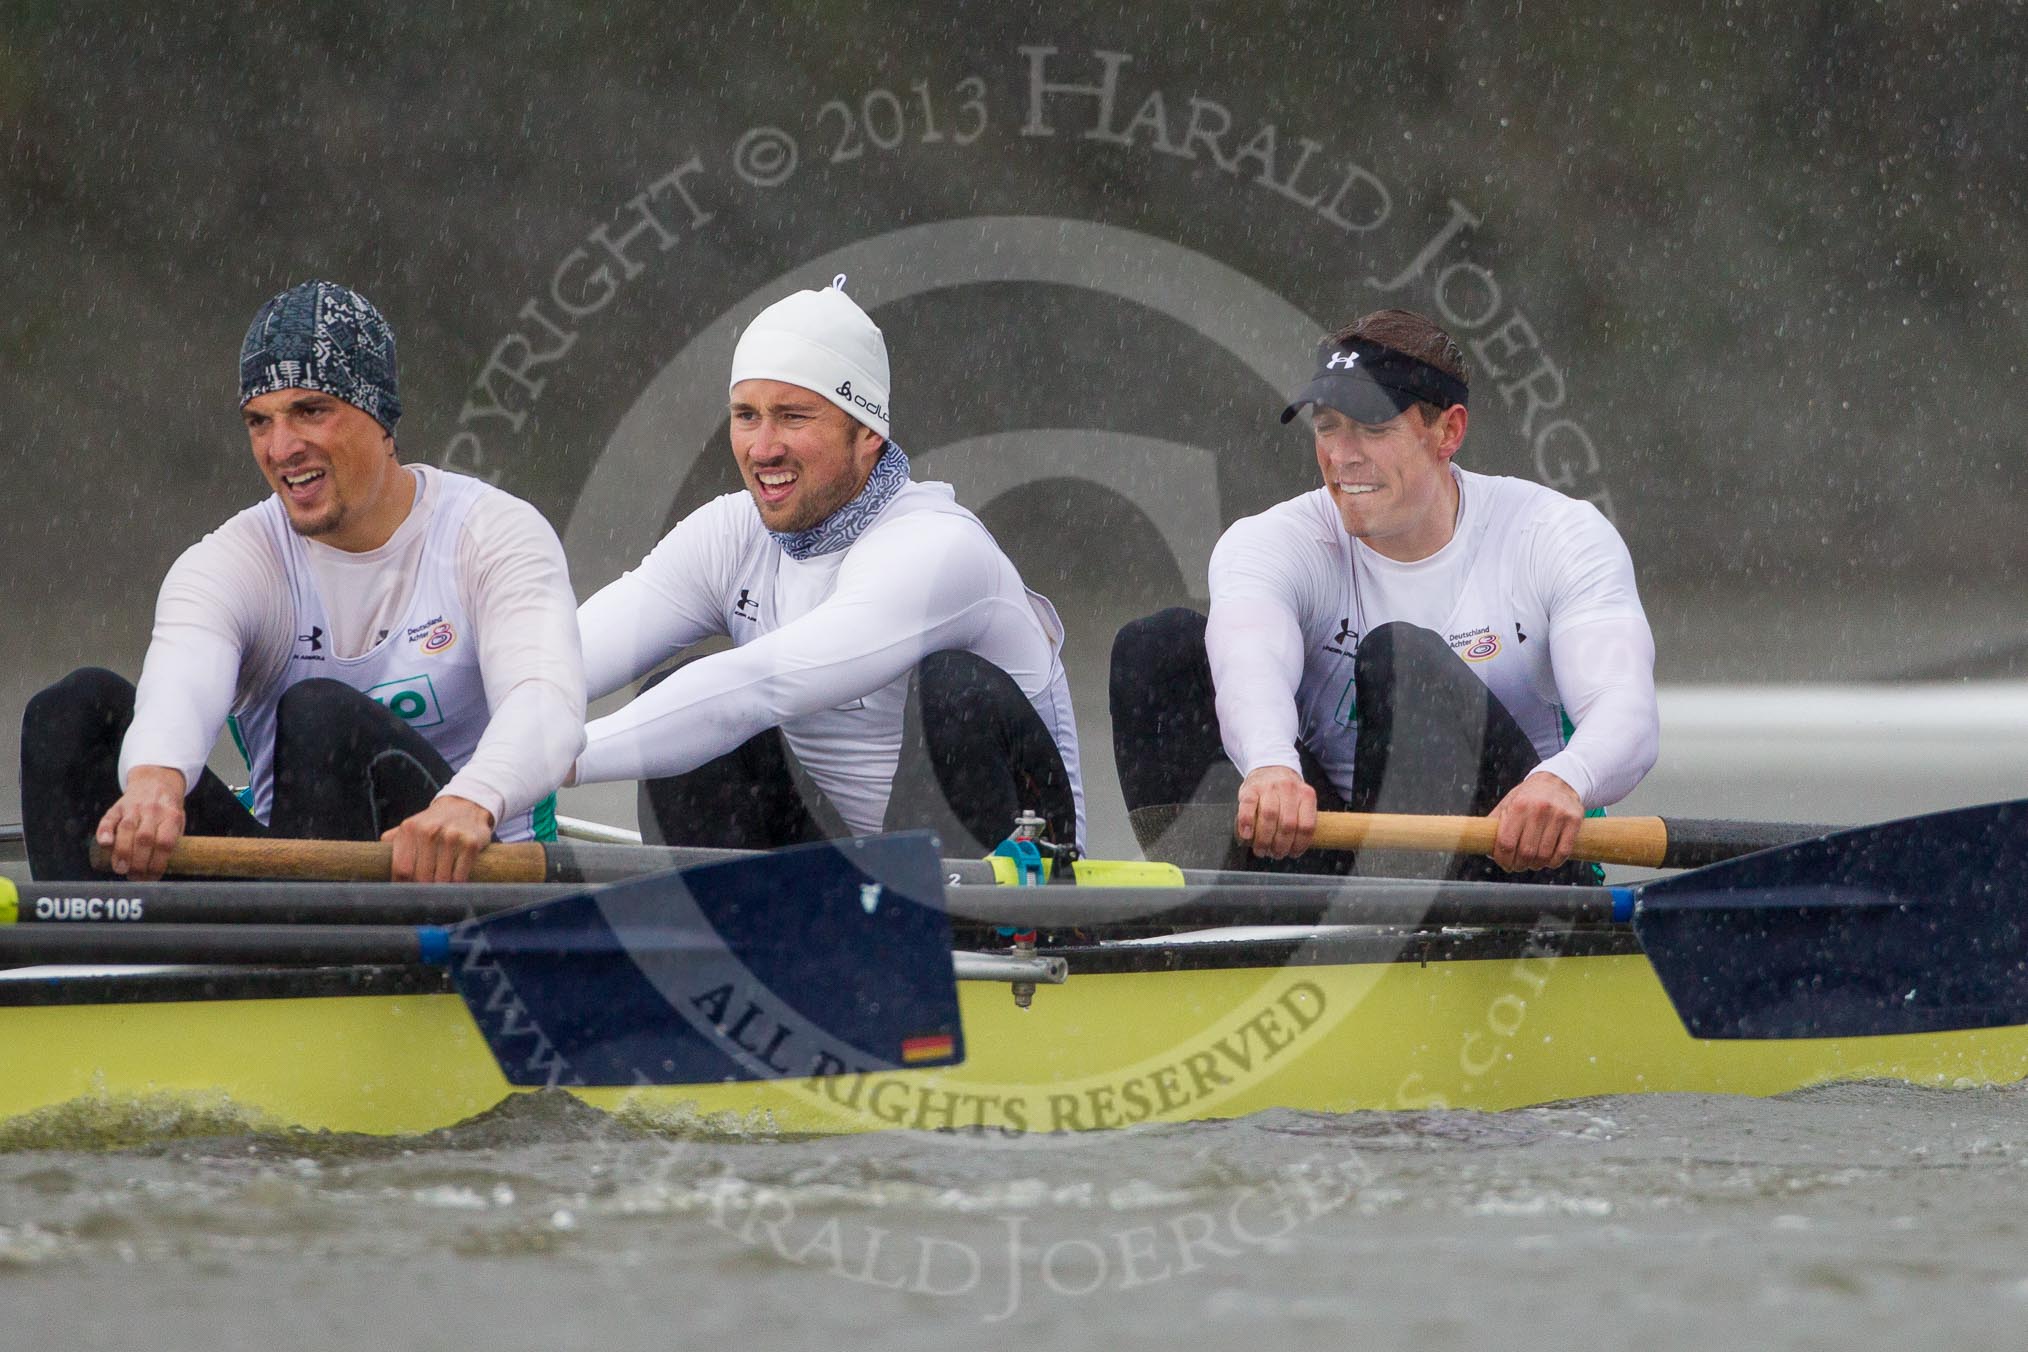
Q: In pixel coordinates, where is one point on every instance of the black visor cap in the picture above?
(1373, 384)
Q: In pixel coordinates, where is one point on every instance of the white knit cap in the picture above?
(822, 341)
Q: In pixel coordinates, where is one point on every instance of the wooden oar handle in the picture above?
(1640, 841)
(329, 860)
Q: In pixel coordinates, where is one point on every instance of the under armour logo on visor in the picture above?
(1342, 361)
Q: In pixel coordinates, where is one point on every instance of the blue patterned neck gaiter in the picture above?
(842, 527)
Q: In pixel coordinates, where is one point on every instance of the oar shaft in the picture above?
(333, 946)
(279, 946)
(1354, 901)
(352, 861)
(1649, 842)
(562, 861)
(1350, 901)
(578, 861)
(263, 903)
(1642, 842)
(1695, 843)
(328, 860)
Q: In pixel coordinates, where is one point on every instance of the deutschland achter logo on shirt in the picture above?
(433, 636)
(1477, 645)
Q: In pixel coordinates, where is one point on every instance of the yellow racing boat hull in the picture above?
(1411, 1028)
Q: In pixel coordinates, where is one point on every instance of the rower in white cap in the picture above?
(889, 668)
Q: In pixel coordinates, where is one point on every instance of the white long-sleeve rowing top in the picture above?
(1535, 593)
(824, 645)
(227, 637)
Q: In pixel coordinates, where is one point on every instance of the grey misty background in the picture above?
(1775, 253)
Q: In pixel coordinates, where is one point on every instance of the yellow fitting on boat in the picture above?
(1097, 872)
(10, 902)
(1128, 873)
(1007, 873)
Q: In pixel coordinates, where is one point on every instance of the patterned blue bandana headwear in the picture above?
(325, 337)
(842, 527)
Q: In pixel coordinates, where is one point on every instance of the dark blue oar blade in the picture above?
(1914, 926)
(821, 959)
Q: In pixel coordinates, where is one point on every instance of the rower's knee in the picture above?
(81, 705)
(1159, 666)
(968, 707)
(1156, 643)
(989, 756)
(1399, 641)
(1165, 718)
(954, 681)
(1399, 656)
(316, 703)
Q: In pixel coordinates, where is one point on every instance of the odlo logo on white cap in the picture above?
(845, 392)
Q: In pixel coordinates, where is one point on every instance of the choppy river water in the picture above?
(1859, 1216)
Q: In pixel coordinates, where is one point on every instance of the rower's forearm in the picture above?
(181, 702)
(708, 707)
(1605, 670)
(671, 729)
(1252, 660)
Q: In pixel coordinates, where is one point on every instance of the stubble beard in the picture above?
(812, 513)
(324, 523)
(815, 510)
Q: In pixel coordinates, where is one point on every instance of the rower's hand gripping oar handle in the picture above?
(328, 860)
(1643, 842)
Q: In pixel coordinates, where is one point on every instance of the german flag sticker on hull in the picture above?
(931, 1047)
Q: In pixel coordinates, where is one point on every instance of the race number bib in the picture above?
(412, 699)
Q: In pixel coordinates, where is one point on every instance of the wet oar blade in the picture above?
(1915, 926)
(824, 959)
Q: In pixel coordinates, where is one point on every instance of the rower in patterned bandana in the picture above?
(1410, 637)
(888, 668)
(394, 647)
